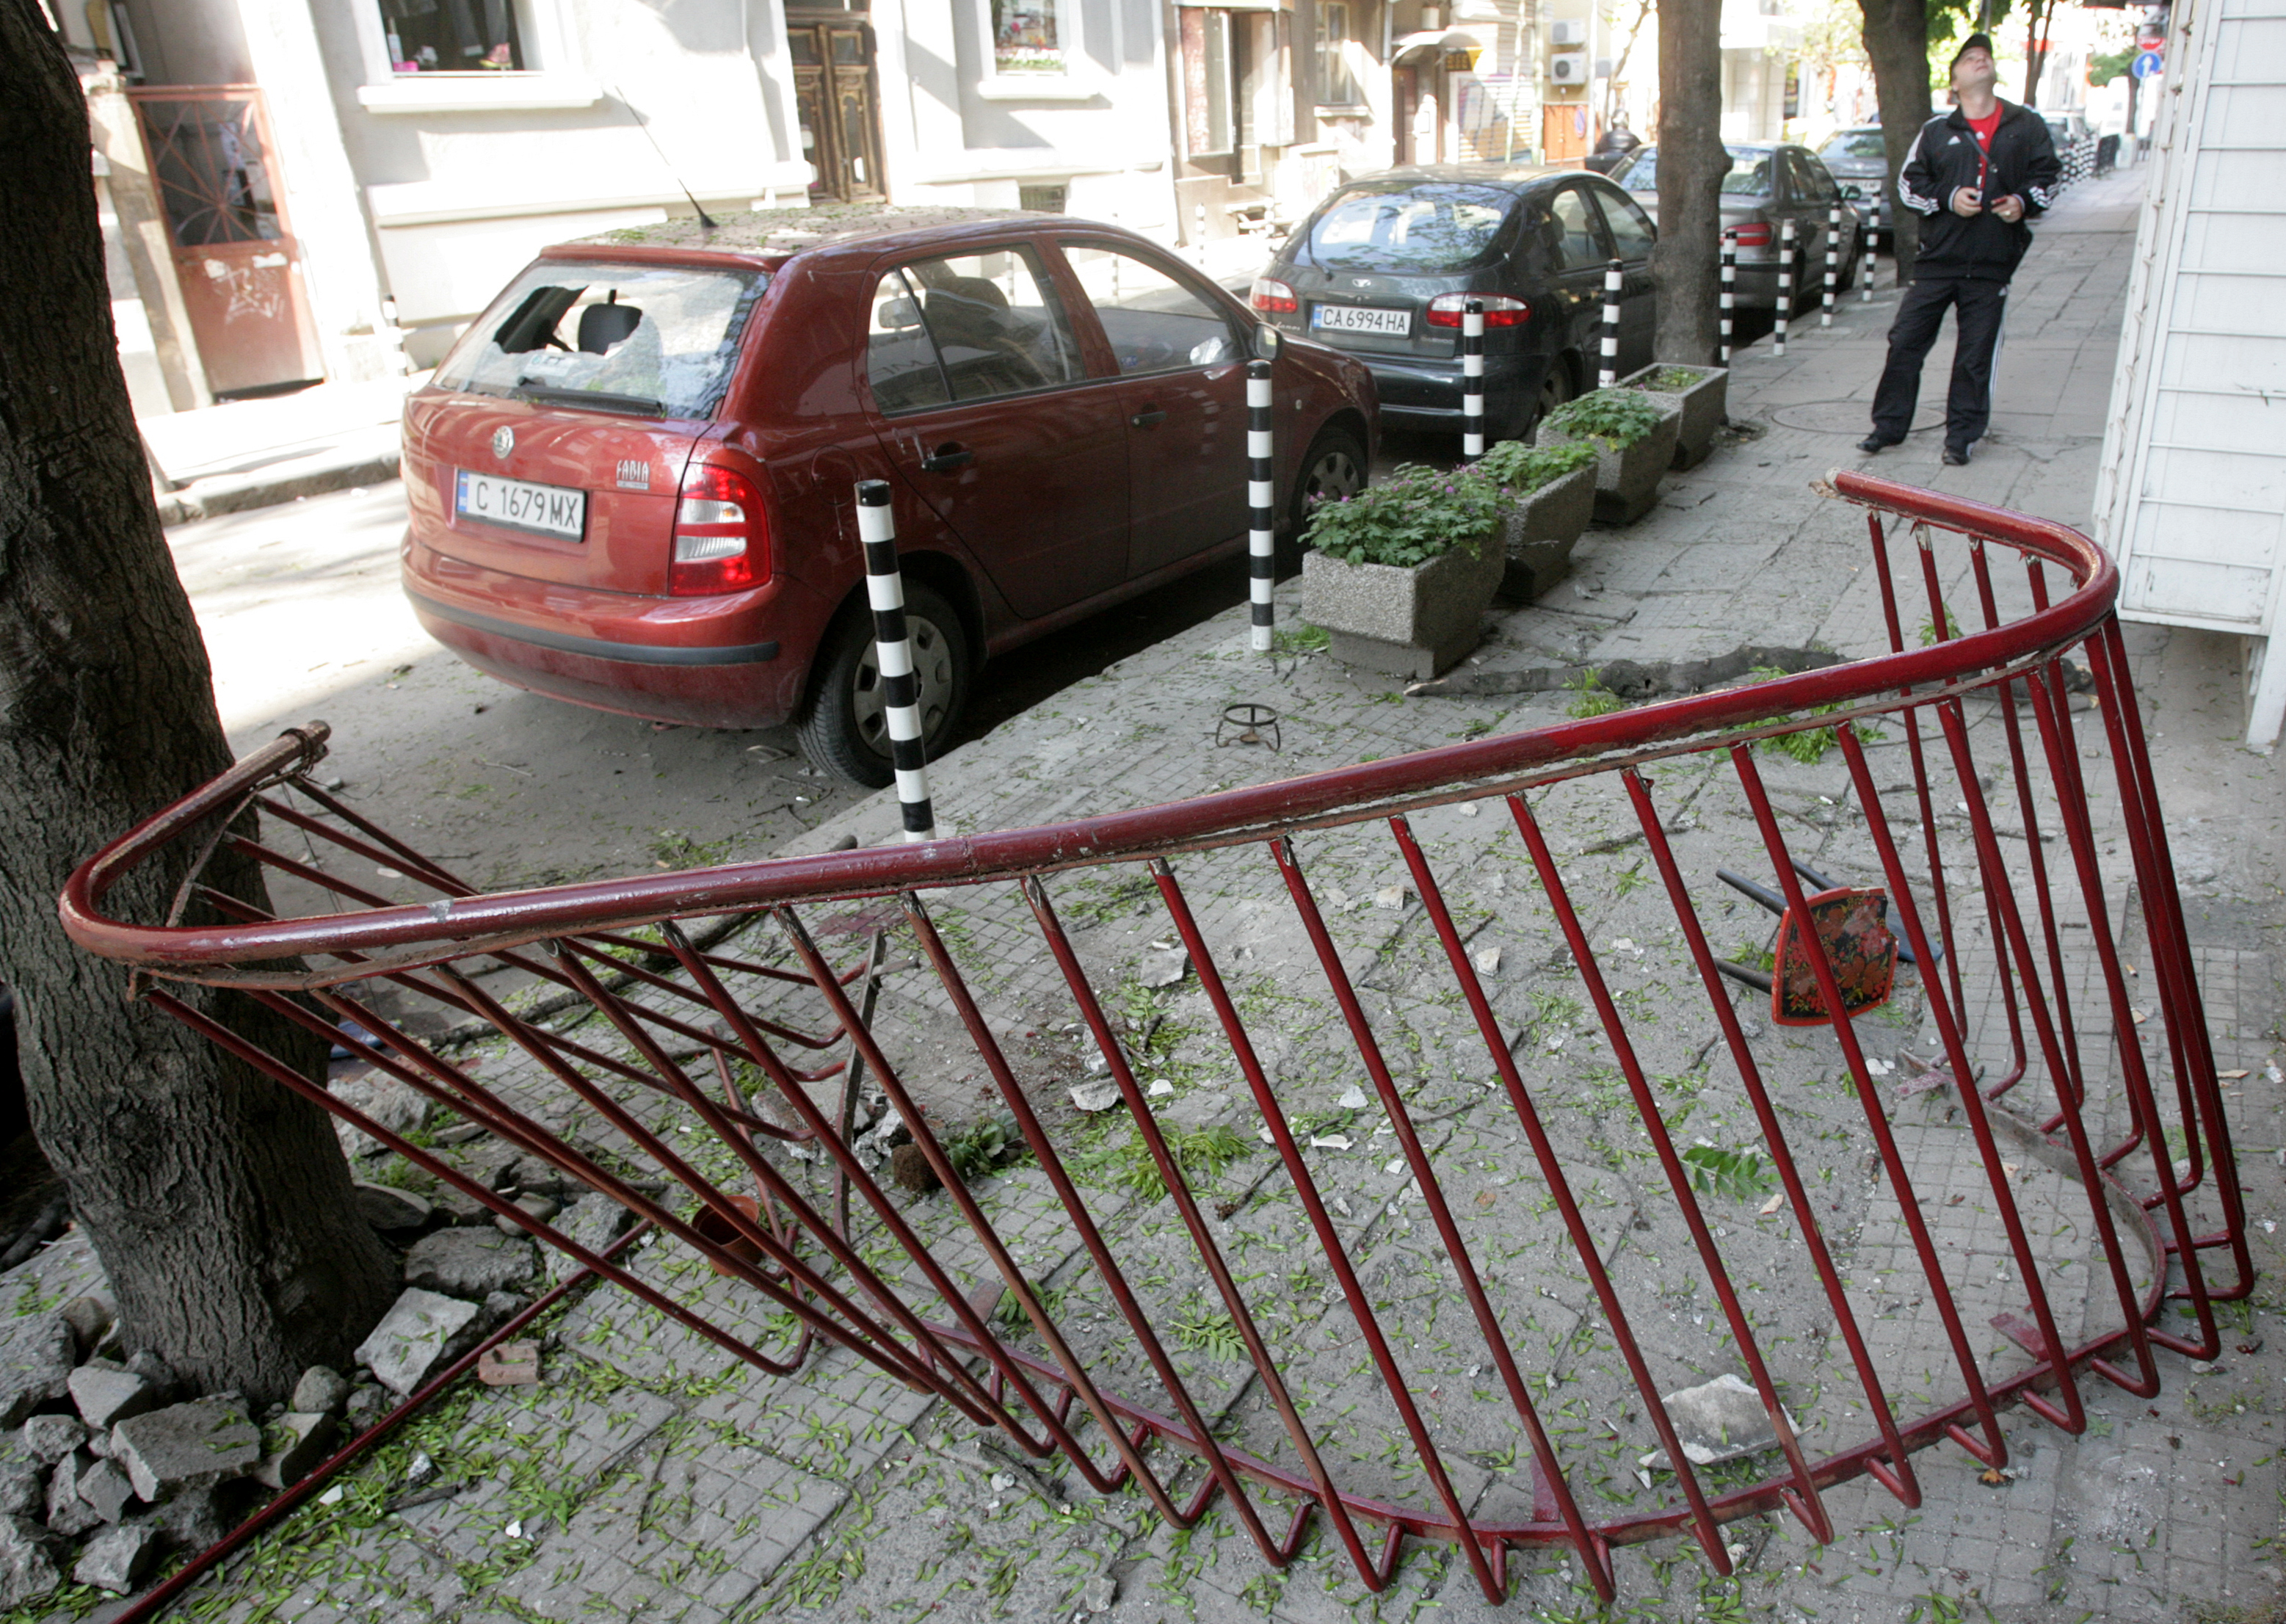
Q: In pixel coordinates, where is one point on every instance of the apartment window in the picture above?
(449, 36)
(1212, 107)
(1337, 86)
(1028, 36)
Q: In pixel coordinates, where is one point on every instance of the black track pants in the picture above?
(1981, 304)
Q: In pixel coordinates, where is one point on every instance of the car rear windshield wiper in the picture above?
(597, 399)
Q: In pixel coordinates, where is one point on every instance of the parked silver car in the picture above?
(1767, 185)
(1859, 158)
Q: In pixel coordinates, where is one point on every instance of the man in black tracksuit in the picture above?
(1975, 176)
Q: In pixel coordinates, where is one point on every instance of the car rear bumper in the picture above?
(722, 662)
(1428, 394)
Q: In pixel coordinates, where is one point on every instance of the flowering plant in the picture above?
(1414, 516)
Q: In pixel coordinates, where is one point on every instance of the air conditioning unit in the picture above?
(1603, 68)
(1567, 32)
(1568, 67)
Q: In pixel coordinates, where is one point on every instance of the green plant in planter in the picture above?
(1668, 380)
(1614, 418)
(1416, 514)
(1520, 469)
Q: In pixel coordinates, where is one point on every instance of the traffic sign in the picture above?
(2148, 65)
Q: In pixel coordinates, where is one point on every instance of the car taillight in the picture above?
(1445, 310)
(1755, 236)
(1273, 298)
(721, 539)
(1498, 312)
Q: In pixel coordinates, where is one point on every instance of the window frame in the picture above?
(1077, 80)
(549, 79)
(1242, 330)
(1323, 97)
(1046, 277)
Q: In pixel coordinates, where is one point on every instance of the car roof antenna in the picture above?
(706, 222)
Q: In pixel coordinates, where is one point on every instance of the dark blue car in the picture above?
(1383, 267)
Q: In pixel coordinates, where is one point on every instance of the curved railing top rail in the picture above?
(386, 937)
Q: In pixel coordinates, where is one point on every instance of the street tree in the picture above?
(1897, 45)
(1687, 264)
(219, 1202)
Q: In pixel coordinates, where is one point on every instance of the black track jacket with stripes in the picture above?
(1945, 157)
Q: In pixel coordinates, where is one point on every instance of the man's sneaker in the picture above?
(1956, 456)
(1872, 443)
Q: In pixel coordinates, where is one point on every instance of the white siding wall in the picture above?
(2195, 500)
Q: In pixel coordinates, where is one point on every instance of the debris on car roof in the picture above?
(791, 231)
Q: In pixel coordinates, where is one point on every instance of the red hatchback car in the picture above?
(631, 481)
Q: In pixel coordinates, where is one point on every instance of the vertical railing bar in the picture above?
(2071, 1082)
(1938, 891)
(1994, 1450)
(2060, 737)
(1497, 1050)
(519, 1130)
(2019, 941)
(2062, 743)
(1940, 622)
(1972, 1100)
(956, 1189)
(2163, 913)
(1375, 1575)
(1368, 1050)
(1115, 1279)
(1899, 1479)
(1678, 1180)
(862, 1324)
(1433, 899)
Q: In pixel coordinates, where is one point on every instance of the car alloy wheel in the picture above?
(934, 661)
(845, 731)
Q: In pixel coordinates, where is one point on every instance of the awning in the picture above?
(1441, 41)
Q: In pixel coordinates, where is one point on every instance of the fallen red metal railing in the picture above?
(1557, 1185)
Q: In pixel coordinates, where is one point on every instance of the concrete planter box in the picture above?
(1540, 533)
(1411, 623)
(1626, 480)
(1703, 406)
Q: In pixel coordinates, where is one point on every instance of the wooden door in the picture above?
(235, 256)
(1563, 131)
(835, 95)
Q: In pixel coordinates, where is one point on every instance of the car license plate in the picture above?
(1363, 318)
(543, 510)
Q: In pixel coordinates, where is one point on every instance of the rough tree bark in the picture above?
(219, 1202)
(1897, 43)
(1687, 265)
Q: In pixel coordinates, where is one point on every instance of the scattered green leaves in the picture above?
(1736, 1175)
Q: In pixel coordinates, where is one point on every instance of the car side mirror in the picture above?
(1266, 340)
(1854, 195)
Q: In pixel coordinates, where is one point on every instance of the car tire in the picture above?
(844, 729)
(1334, 467)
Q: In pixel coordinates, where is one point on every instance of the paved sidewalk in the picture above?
(255, 453)
(652, 1479)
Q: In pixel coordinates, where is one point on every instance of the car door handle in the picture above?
(1149, 417)
(947, 458)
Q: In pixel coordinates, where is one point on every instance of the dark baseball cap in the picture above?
(1974, 42)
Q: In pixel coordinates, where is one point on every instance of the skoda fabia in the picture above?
(632, 481)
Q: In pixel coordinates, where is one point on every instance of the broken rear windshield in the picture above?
(656, 340)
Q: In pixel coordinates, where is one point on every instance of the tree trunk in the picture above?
(1896, 44)
(1691, 164)
(219, 1202)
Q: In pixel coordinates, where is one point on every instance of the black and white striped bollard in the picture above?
(1472, 379)
(892, 649)
(1833, 265)
(1729, 289)
(1786, 284)
(1261, 543)
(1870, 263)
(1614, 274)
